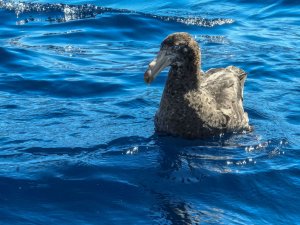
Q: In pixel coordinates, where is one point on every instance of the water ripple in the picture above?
(77, 138)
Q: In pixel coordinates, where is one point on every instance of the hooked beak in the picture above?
(156, 66)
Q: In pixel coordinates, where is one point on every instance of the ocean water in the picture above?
(77, 140)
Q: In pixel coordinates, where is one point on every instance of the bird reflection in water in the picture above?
(178, 167)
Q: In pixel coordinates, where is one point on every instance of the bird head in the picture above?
(175, 50)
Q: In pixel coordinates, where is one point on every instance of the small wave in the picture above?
(196, 20)
(75, 12)
(64, 50)
(216, 39)
(70, 12)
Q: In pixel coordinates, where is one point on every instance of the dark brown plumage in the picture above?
(195, 104)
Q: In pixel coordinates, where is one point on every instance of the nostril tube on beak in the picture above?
(152, 64)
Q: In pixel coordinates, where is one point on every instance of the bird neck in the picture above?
(184, 77)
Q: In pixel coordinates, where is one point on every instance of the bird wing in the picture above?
(225, 83)
(225, 86)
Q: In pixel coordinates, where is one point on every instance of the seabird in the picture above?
(196, 104)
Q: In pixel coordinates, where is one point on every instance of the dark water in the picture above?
(77, 141)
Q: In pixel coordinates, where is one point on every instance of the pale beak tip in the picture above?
(148, 76)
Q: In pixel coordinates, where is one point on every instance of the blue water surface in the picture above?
(77, 140)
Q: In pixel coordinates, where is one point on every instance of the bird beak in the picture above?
(156, 66)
